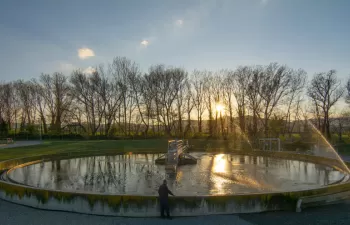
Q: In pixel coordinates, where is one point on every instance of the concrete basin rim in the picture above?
(40, 159)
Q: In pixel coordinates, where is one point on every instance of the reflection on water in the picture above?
(213, 174)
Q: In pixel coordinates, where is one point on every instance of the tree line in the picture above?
(118, 99)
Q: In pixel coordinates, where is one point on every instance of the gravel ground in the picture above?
(12, 214)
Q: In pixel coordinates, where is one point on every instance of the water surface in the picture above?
(213, 174)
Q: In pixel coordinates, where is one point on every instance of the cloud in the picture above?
(84, 53)
(179, 23)
(89, 70)
(144, 43)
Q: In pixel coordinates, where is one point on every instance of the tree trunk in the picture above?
(44, 124)
(180, 121)
(199, 123)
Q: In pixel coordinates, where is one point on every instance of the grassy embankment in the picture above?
(119, 146)
(124, 146)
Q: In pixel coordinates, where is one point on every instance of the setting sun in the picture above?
(219, 108)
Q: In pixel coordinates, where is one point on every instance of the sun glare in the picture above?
(219, 108)
(219, 164)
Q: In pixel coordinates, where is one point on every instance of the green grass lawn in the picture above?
(122, 146)
(119, 146)
(55, 147)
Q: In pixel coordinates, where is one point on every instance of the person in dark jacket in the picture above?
(163, 192)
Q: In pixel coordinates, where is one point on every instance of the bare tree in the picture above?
(254, 99)
(110, 94)
(325, 90)
(101, 86)
(26, 103)
(240, 81)
(188, 106)
(179, 104)
(298, 80)
(154, 79)
(38, 94)
(136, 83)
(198, 82)
(84, 92)
(347, 97)
(209, 99)
(120, 98)
(217, 93)
(8, 103)
(56, 91)
(228, 89)
(126, 71)
(148, 100)
(167, 83)
(339, 123)
(275, 87)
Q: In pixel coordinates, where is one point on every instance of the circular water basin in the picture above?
(214, 174)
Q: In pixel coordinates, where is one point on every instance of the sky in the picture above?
(41, 36)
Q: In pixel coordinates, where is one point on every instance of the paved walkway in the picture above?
(12, 214)
(21, 144)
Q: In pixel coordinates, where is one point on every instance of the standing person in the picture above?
(163, 192)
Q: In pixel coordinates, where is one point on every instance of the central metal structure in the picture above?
(176, 155)
(270, 144)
